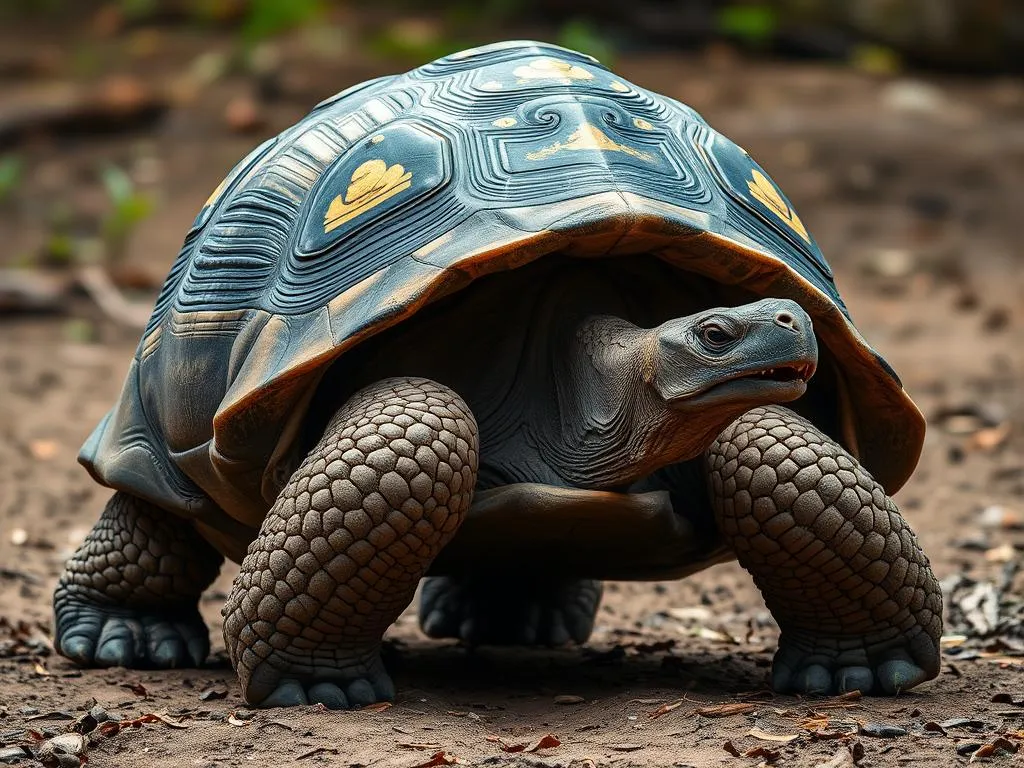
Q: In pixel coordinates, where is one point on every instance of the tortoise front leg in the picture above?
(843, 574)
(340, 554)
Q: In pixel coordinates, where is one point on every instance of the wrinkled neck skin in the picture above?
(604, 427)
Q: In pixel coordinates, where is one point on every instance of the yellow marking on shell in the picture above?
(491, 85)
(766, 194)
(377, 139)
(215, 194)
(642, 124)
(588, 137)
(504, 122)
(615, 85)
(551, 69)
(372, 183)
(460, 55)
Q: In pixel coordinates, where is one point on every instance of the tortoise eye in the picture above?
(715, 335)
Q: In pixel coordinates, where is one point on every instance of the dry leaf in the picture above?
(815, 723)
(664, 709)
(843, 758)
(726, 710)
(277, 723)
(544, 742)
(43, 450)
(731, 749)
(769, 755)
(164, 718)
(235, 721)
(109, 728)
(417, 745)
(994, 747)
(112, 727)
(841, 701)
(548, 741)
(1004, 553)
(990, 438)
(717, 636)
(377, 706)
(780, 738)
(318, 751)
(439, 758)
(213, 693)
(137, 688)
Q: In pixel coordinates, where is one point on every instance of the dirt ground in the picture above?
(911, 185)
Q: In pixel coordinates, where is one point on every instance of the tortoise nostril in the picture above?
(785, 319)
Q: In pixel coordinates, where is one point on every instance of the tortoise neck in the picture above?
(609, 427)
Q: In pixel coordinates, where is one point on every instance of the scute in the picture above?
(400, 191)
(400, 166)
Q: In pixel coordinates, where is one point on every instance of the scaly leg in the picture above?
(340, 554)
(129, 596)
(844, 576)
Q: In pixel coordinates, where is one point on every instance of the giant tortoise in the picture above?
(507, 325)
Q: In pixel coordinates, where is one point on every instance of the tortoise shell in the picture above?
(405, 189)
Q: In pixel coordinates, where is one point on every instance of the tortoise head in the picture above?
(640, 399)
(733, 358)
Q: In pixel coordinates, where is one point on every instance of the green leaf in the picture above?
(11, 168)
(581, 35)
(267, 18)
(755, 24)
(118, 184)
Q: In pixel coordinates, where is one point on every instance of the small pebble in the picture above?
(12, 755)
(880, 731)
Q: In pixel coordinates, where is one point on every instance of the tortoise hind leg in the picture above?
(129, 596)
(340, 554)
(501, 610)
(854, 596)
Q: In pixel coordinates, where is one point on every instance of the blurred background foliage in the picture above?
(952, 35)
(117, 117)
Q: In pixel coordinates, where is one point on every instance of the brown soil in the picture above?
(914, 194)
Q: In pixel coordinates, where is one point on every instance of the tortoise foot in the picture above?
(112, 636)
(336, 682)
(829, 665)
(128, 596)
(479, 611)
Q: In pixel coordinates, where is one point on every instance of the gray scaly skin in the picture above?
(128, 597)
(339, 555)
(845, 578)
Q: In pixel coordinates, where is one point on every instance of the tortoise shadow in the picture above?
(592, 671)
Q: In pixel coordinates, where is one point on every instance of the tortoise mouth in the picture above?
(785, 372)
(781, 382)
